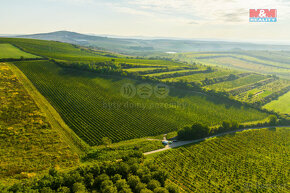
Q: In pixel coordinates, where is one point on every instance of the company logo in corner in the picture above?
(263, 15)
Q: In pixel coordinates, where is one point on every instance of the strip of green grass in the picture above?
(10, 51)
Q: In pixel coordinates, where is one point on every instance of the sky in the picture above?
(192, 19)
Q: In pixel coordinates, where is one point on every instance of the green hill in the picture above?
(144, 47)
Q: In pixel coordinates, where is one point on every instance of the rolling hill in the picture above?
(145, 47)
(92, 105)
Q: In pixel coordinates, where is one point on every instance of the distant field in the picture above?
(249, 161)
(282, 105)
(93, 106)
(270, 62)
(29, 145)
(261, 92)
(68, 52)
(201, 76)
(237, 83)
(9, 51)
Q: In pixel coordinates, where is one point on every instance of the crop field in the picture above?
(10, 51)
(281, 105)
(237, 83)
(269, 62)
(92, 105)
(26, 137)
(261, 92)
(248, 161)
(200, 76)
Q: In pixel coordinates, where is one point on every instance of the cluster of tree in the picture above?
(208, 81)
(105, 67)
(197, 131)
(129, 175)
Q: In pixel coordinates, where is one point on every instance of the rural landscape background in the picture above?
(143, 96)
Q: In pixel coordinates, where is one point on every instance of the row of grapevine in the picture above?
(250, 161)
(92, 105)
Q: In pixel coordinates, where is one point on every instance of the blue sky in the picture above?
(197, 19)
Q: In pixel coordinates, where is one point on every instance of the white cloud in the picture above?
(199, 11)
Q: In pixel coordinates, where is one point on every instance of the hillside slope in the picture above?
(29, 144)
(144, 47)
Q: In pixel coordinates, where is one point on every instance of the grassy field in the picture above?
(281, 105)
(10, 51)
(249, 161)
(93, 106)
(29, 145)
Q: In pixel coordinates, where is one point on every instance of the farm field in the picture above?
(201, 76)
(269, 62)
(281, 105)
(29, 145)
(10, 51)
(259, 93)
(237, 83)
(93, 106)
(248, 161)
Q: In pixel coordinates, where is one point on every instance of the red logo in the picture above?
(262, 13)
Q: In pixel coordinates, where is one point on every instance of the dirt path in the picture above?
(182, 143)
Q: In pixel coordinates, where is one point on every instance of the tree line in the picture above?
(198, 131)
(129, 175)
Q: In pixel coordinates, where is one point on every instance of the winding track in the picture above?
(182, 143)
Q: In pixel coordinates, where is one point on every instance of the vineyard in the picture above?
(243, 85)
(92, 105)
(26, 137)
(249, 161)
